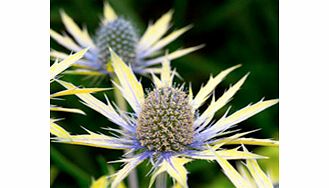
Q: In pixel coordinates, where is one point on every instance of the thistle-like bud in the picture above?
(121, 36)
(165, 122)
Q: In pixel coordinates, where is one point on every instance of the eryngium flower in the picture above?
(165, 127)
(118, 33)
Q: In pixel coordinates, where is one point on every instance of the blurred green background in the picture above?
(234, 31)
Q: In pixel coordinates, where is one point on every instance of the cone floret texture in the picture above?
(165, 122)
(121, 36)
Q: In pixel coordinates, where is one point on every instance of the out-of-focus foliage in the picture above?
(235, 32)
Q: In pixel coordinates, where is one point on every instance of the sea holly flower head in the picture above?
(121, 36)
(141, 52)
(165, 122)
(165, 128)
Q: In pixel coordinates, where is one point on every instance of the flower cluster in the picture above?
(167, 126)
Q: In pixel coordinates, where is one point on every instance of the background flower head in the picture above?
(141, 52)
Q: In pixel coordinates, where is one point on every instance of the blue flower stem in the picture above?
(161, 180)
(120, 101)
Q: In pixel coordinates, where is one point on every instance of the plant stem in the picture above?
(132, 179)
(120, 101)
(53, 174)
(67, 166)
(161, 180)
